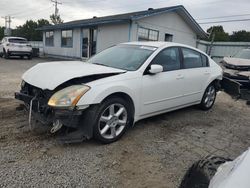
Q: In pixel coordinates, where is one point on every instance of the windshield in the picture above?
(126, 57)
(17, 40)
(243, 54)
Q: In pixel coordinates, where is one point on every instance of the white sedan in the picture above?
(118, 87)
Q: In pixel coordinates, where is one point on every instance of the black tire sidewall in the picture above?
(6, 55)
(202, 104)
(99, 112)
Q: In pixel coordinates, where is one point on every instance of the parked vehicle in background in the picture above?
(237, 67)
(117, 87)
(15, 46)
(236, 74)
(219, 172)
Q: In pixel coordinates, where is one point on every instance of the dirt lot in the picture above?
(155, 153)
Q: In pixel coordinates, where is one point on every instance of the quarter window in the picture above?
(169, 59)
(49, 38)
(204, 60)
(191, 58)
(67, 38)
(145, 34)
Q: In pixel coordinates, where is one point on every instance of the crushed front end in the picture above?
(36, 103)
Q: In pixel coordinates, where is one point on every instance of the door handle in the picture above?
(179, 77)
(207, 73)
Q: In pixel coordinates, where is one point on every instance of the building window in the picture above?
(145, 34)
(168, 37)
(67, 38)
(49, 38)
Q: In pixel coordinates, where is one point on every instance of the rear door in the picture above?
(196, 74)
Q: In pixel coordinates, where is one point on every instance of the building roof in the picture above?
(124, 18)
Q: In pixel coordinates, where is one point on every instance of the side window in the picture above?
(204, 60)
(191, 58)
(169, 59)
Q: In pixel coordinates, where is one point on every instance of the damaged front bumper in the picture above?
(55, 118)
(47, 115)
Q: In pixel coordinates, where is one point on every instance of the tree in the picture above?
(1, 32)
(240, 36)
(220, 34)
(28, 30)
(55, 19)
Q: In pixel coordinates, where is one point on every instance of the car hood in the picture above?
(52, 74)
(237, 61)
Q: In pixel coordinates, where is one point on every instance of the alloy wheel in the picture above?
(113, 121)
(210, 96)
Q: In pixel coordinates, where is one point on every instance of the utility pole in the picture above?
(55, 4)
(8, 20)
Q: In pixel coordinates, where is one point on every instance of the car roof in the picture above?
(158, 44)
(15, 38)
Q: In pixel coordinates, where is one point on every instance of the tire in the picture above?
(29, 57)
(208, 98)
(1, 54)
(200, 173)
(21, 57)
(112, 119)
(5, 54)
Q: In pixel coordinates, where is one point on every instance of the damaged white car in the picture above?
(117, 87)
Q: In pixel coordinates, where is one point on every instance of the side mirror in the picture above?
(154, 69)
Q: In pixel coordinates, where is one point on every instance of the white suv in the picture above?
(15, 46)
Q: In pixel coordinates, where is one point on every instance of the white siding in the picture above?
(109, 35)
(64, 51)
(112, 34)
(170, 23)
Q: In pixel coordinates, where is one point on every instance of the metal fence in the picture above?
(221, 49)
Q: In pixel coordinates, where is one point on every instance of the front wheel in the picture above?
(113, 118)
(208, 98)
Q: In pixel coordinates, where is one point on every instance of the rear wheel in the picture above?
(29, 56)
(208, 98)
(5, 54)
(112, 120)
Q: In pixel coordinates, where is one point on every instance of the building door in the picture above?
(89, 38)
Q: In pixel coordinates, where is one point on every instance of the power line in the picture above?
(7, 21)
(237, 15)
(223, 21)
(55, 4)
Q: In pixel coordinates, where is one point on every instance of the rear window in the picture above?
(194, 59)
(17, 40)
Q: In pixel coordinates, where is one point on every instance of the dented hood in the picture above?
(237, 61)
(52, 74)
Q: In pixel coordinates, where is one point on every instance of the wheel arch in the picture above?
(216, 82)
(124, 96)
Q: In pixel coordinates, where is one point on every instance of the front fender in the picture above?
(98, 93)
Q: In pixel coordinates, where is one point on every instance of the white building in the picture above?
(83, 38)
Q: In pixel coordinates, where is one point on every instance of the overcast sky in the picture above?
(22, 10)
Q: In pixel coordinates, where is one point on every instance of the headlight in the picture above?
(68, 97)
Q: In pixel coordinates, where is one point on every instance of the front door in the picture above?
(89, 38)
(163, 90)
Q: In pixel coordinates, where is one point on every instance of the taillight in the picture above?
(7, 44)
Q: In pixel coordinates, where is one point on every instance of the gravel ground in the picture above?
(155, 153)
